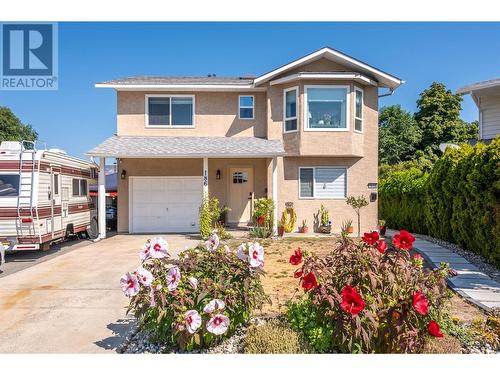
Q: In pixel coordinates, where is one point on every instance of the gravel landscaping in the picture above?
(475, 259)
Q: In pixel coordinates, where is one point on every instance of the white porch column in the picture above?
(205, 177)
(101, 198)
(274, 187)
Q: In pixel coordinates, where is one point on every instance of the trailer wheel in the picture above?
(93, 230)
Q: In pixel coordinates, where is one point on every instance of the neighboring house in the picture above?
(486, 95)
(305, 133)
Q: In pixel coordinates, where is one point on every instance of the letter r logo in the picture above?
(27, 49)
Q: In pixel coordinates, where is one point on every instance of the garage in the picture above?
(164, 204)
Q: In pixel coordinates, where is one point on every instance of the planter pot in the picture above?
(382, 230)
(281, 231)
(325, 228)
(261, 220)
(304, 230)
(350, 230)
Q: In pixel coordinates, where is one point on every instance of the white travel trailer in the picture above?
(44, 196)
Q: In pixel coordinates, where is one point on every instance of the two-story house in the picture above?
(305, 133)
(486, 95)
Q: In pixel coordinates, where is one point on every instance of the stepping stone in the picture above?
(482, 295)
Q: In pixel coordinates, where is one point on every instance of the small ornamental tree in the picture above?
(357, 203)
(368, 297)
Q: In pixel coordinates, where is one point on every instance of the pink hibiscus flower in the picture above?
(129, 284)
(218, 325)
(256, 255)
(192, 320)
(144, 276)
(213, 305)
(173, 278)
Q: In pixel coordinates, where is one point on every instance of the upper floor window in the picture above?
(358, 110)
(170, 111)
(326, 108)
(290, 99)
(246, 107)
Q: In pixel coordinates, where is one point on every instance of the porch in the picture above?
(162, 180)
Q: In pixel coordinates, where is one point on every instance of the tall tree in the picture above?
(438, 116)
(12, 129)
(399, 135)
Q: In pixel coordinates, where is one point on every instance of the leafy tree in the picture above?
(399, 135)
(438, 117)
(12, 129)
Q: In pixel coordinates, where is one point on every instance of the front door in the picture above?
(240, 192)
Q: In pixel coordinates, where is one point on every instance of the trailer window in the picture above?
(76, 187)
(9, 185)
(83, 187)
(56, 184)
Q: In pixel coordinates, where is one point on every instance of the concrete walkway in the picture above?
(73, 303)
(472, 284)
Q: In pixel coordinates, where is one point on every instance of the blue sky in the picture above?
(79, 116)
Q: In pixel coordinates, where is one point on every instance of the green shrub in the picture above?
(457, 201)
(182, 300)
(274, 337)
(368, 298)
(209, 216)
(260, 232)
(264, 208)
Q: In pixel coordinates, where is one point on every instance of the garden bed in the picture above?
(280, 285)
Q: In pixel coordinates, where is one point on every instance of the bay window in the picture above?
(169, 111)
(358, 110)
(290, 100)
(326, 108)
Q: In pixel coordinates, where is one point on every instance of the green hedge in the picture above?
(457, 201)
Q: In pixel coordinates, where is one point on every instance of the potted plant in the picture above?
(325, 223)
(263, 212)
(304, 228)
(348, 226)
(382, 227)
(281, 228)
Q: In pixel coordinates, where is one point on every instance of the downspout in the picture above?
(391, 91)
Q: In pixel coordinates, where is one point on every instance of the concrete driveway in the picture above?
(73, 303)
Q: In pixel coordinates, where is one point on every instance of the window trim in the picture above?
(146, 111)
(347, 111)
(18, 185)
(356, 88)
(285, 119)
(314, 167)
(246, 106)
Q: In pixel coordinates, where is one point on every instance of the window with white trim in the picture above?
(326, 107)
(322, 182)
(358, 110)
(80, 187)
(170, 111)
(246, 107)
(290, 100)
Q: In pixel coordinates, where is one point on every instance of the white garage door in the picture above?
(164, 204)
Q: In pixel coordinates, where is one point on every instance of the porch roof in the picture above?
(187, 147)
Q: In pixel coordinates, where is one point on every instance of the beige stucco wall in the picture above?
(187, 167)
(360, 171)
(216, 115)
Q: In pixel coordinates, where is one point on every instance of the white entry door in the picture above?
(164, 204)
(240, 189)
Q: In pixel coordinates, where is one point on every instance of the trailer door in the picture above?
(56, 203)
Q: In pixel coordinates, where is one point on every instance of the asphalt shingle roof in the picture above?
(165, 80)
(143, 146)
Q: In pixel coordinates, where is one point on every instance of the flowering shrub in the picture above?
(195, 300)
(368, 297)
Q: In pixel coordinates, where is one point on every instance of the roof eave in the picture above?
(119, 87)
(185, 156)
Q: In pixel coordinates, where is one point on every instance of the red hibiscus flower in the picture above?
(296, 258)
(381, 246)
(370, 238)
(309, 282)
(420, 303)
(403, 240)
(352, 302)
(298, 274)
(433, 329)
